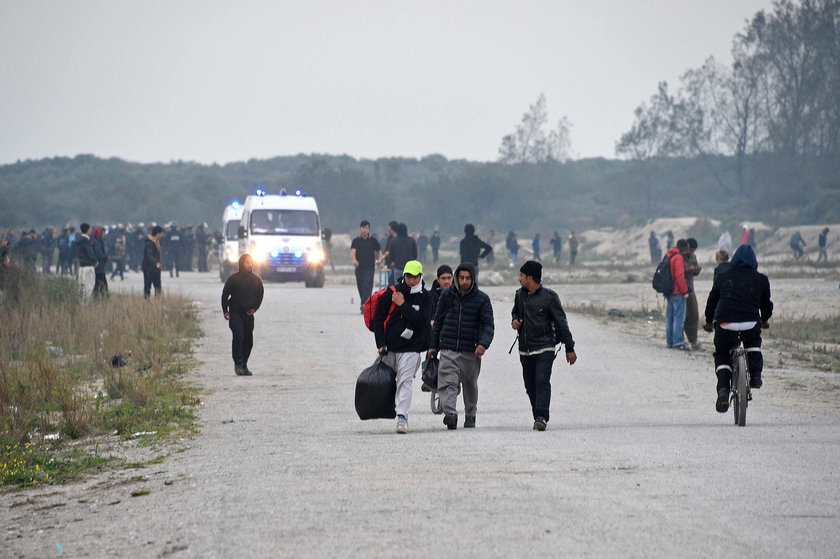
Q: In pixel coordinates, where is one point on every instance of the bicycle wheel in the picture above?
(436, 407)
(741, 389)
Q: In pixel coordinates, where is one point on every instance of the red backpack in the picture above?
(370, 307)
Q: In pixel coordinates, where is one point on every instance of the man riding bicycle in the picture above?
(739, 303)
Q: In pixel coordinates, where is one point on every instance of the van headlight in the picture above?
(259, 257)
(315, 256)
(231, 255)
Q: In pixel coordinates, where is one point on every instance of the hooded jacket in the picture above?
(463, 321)
(544, 322)
(677, 271)
(402, 248)
(413, 315)
(741, 293)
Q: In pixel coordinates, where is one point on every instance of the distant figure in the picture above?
(692, 312)
(512, 245)
(535, 245)
(403, 249)
(365, 252)
(242, 296)
(473, 249)
(725, 242)
(745, 235)
(573, 248)
(86, 259)
(751, 238)
(422, 244)
(669, 240)
(434, 244)
(822, 242)
(491, 240)
(796, 244)
(173, 249)
(118, 259)
(100, 286)
(556, 246)
(326, 235)
(151, 265)
(655, 249)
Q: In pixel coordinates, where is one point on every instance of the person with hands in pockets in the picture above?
(401, 328)
(541, 323)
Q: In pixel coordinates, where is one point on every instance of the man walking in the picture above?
(242, 296)
(463, 330)
(540, 321)
(822, 242)
(151, 262)
(86, 258)
(365, 252)
(402, 333)
(675, 312)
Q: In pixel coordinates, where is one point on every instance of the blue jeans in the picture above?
(674, 320)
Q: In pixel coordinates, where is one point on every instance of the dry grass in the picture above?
(57, 382)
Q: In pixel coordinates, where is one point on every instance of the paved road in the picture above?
(635, 462)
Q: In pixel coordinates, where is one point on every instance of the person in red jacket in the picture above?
(675, 312)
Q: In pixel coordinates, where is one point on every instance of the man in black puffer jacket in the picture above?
(462, 331)
(401, 327)
(539, 319)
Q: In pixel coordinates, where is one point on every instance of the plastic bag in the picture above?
(376, 390)
(429, 376)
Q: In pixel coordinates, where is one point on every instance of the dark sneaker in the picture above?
(451, 420)
(756, 382)
(239, 370)
(722, 403)
(696, 346)
(539, 424)
(425, 388)
(247, 372)
(469, 422)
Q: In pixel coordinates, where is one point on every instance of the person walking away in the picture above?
(434, 243)
(119, 257)
(242, 296)
(675, 311)
(796, 244)
(462, 331)
(653, 247)
(556, 247)
(472, 248)
(402, 334)
(87, 259)
(100, 287)
(151, 265)
(535, 246)
(541, 324)
(822, 242)
(403, 248)
(738, 302)
(365, 252)
(573, 248)
(692, 313)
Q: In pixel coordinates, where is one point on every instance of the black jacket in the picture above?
(84, 251)
(544, 322)
(101, 255)
(402, 249)
(151, 255)
(463, 321)
(473, 248)
(243, 291)
(741, 293)
(415, 314)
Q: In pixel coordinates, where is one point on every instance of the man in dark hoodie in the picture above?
(739, 302)
(151, 262)
(242, 296)
(462, 331)
(472, 248)
(540, 321)
(87, 259)
(402, 249)
(401, 328)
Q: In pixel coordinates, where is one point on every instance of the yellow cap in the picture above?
(413, 267)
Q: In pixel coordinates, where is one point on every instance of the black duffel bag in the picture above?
(376, 390)
(429, 376)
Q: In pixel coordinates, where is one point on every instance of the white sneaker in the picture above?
(402, 425)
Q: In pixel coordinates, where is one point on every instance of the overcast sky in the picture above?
(220, 81)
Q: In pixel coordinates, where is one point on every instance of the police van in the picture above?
(229, 246)
(282, 233)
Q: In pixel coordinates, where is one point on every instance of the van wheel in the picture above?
(317, 281)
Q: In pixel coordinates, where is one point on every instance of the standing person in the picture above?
(675, 312)
(535, 245)
(119, 257)
(63, 244)
(152, 262)
(402, 334)
(669, 240)
(823, 242)
(472, 248)
(48, 244)
(745, 235)
(242, 296)
(422, 245)
(738, 302)
(87, 259)
(434, 243)
(202, 243)
(725, 242)
(462, 331)
(512, 244)
(365, 252)
(573, 248)
(187, 248)
(403, 249)
(557, 247)
(100, 288)
(654, 248)
(386, 250)
(796, 244)
(540, 321)
(174, 250)
(692, 313)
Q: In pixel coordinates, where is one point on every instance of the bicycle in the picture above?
(740, 392)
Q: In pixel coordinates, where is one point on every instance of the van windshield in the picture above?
(232, 230)
(284, 222)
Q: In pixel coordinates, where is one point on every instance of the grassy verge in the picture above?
(58, 387)
(811, 341)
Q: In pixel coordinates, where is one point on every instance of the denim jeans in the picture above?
(675, 320)
(364, 283)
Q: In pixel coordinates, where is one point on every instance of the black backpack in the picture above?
(662, 281)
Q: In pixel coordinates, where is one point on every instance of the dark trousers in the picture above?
(725, 340)
(100, 287)
(364, 283)
(119, 267)
(242, 327)
(536, 372)
(150, 278)
(692, 318)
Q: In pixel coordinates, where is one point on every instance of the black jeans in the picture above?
(536, 372)
(150, 278)
(242, 327)
(364, 283)
(725, 340)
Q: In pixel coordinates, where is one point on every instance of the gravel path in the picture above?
(635, 462)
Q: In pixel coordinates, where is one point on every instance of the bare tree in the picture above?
(530, 143)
